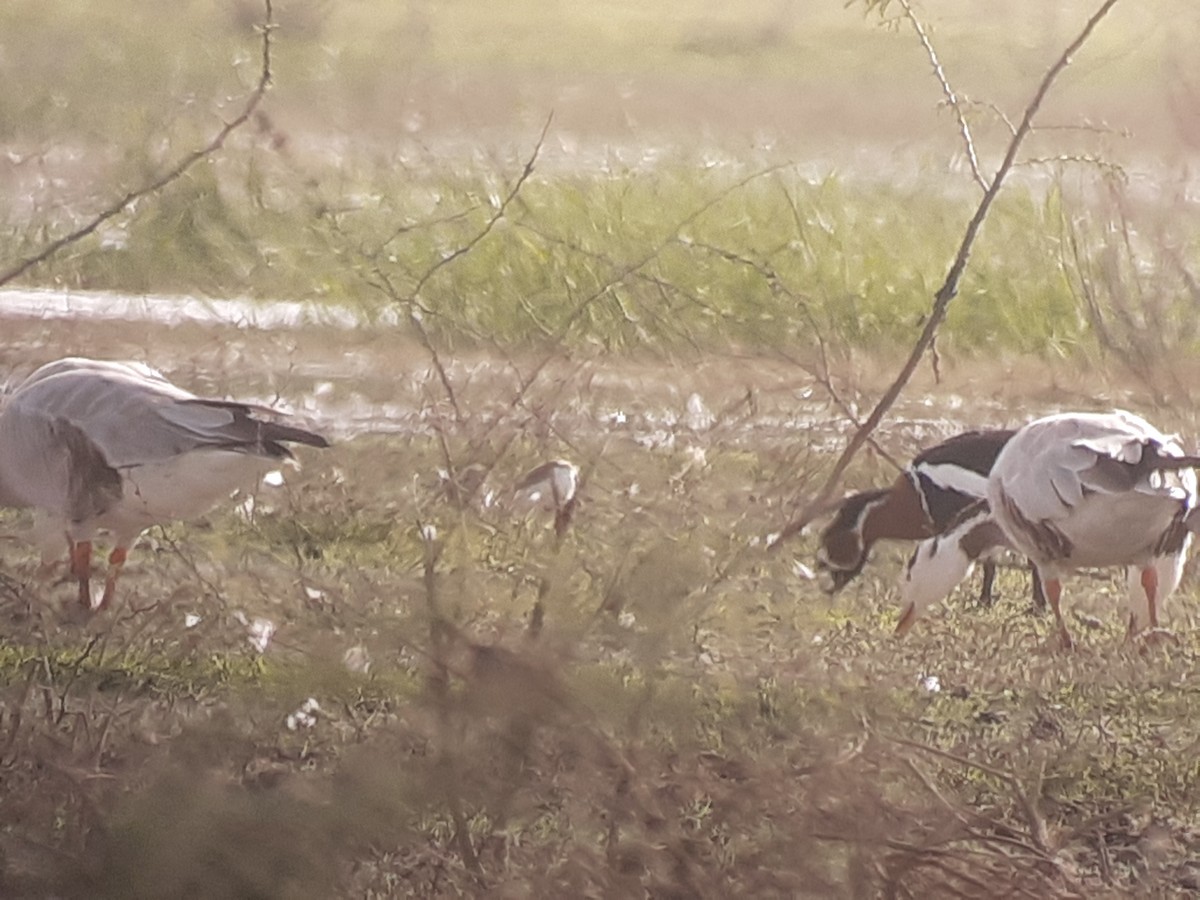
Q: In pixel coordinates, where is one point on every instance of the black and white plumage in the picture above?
(94, 446)
(924, 500)
(942, 562)
(554, 485)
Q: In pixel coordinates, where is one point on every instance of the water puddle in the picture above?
(175, 309)
(370, 383)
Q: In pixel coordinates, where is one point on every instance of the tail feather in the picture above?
(258, 426)
(277, 431)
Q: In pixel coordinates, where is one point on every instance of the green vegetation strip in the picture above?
(154, 671)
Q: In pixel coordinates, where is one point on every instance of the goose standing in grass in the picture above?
(1083, 490)
(553, 485)
(942, 562)
(924, 500)
(95, 446)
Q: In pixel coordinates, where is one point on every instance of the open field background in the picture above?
(727, 242)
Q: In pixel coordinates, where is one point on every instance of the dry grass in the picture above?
(692, 718)
(695, 719)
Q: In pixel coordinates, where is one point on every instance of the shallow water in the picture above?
(350, 377)
(172, 309)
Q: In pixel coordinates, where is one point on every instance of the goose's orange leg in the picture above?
(81, 569)
(116, 560)
(1153, 635)
(1150, 586)
(907, 617)
(1053, 590)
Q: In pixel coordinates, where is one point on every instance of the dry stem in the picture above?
(949, 288)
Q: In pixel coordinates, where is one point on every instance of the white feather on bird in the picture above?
(94, 445)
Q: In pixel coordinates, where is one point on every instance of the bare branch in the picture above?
(631, 269)
(496, 216)
(951, 97)
(949, 288)
(173, 174)
(416, 310)
(1038, 832)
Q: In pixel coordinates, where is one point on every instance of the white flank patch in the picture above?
(937, 567)
(274, 478)
(955, 478)
(564, 481)
(555, 481)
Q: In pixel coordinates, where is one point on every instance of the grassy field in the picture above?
(728, 240)
(694, 719)
(703, 210)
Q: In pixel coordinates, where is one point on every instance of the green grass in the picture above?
(710, 246)
(692, 715)
(695, 718)
(672, 258)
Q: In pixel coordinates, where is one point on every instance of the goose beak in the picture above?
(831, 580)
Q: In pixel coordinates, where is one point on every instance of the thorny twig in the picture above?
(174, 173)
(821, 375)
(418, 311)
(951, 97)
(1111, 169)
(1034, 821)
(966, 816)
(15, 717)
(949, 288)
(178, 551)
(666, 290)
(628, 270)
(499, 214)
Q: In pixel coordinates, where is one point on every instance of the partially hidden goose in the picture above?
(925, 499)
(1072, 491)
(95, 446)
(552, 484)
